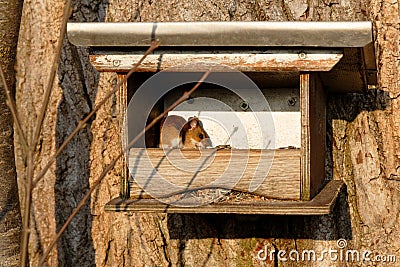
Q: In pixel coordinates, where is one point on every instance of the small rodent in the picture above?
(176, 132)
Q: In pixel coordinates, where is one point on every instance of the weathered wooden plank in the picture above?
(321, 204)
(277, 172)
(313, 134)
(318, 133)
(242, 61)
(305, 136)
(120, 112)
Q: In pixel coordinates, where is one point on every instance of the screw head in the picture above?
(244, 105)
(292, 101)
(302, 55)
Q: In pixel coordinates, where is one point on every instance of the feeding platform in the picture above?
(294, 65)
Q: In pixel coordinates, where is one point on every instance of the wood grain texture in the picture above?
(34, 59)
(367, 144)
(248, 61)
(322, 204)
(180, 170)
(313, 134)
(10, 212)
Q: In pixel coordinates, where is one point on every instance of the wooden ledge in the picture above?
(321, 204)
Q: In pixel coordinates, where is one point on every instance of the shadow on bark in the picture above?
(73, 165)
(79, 83)
(235, 226)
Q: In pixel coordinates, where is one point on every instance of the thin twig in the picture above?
(27, 207)
(36, 135)
(14, 112)
(184, 97)
(82, 123)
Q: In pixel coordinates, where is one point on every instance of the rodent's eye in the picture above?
(201, 136)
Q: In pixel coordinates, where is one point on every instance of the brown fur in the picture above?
(177, 133)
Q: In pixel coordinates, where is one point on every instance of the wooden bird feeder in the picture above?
(295, 65)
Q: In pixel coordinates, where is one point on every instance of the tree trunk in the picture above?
(10, 215)
(363, 137)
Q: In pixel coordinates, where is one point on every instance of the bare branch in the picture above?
(184, 97)
(82, 123)
(14, 112)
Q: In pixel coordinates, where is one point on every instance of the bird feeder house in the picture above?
(291, 66)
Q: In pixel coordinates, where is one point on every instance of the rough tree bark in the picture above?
(10, 215)
(364, 152)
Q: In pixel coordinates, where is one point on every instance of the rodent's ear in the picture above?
(193, 122)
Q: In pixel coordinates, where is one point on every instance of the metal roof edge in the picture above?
(223, 34)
